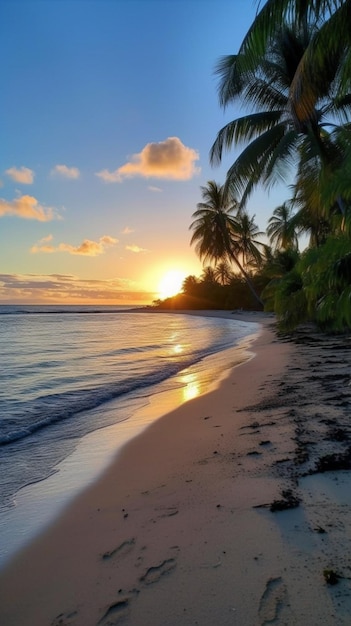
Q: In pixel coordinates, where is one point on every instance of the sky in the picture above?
(108, 112)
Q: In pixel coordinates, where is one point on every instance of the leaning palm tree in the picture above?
(281, 230)
(215, 229)
(273, 131)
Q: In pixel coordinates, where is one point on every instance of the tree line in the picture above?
(292, 76)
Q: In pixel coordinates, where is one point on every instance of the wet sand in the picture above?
(232, 509)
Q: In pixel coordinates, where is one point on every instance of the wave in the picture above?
(49, 391)
(50, 409)
(10, 309)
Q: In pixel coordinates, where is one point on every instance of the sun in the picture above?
(170, 284)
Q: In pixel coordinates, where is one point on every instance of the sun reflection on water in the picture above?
(192, 386)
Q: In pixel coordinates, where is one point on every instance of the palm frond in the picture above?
(321, 61)
(242, 129)
(231, 80)
(249, 168)
(274, 14)
(261, 95)
(281, 160)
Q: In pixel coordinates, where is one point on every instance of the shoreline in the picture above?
(179, 528)
(39, 504)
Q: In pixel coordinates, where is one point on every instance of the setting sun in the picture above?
(171, 284)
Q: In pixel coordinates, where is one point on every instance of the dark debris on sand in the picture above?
(288, 501)
(312, 401)
(319, 403)
(334, 462)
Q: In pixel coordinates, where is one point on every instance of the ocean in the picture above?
(75, 381)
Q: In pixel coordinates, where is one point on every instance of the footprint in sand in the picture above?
(273, 600)
(119, 610)
(116, 613)
(154, 573)
(168, 511)
(122, 550)
(64, 619)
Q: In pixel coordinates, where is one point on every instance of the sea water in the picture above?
(70, 373)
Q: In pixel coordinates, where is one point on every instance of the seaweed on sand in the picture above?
(288, 501)
(333, 462)
(331, 577)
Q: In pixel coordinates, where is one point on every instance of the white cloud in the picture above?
(86, 248)
(106, 240)
(127, 231)
(136, 249)
(21, 175)
(27, 207)
(66, 172)
(169, 159)
(109, 177)
(152, 188)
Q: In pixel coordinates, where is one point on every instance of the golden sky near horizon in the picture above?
(107, 127)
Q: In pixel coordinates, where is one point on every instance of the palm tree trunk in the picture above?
(248, 281)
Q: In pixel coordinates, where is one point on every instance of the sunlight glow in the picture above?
(171, 283)
(192, 388)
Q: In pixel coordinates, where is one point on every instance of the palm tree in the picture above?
(281, 230)
(223, 272)
(338, 185)
(328, 52)
(209, 275)
(276, 132)
(247, 243)
(190, 283)
(213, 223)
(311, 216)
(215, 229)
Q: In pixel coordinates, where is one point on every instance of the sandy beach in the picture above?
(233, 509)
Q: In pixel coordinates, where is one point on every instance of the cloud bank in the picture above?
(169, 159)
(66, 289)
(28, 208)
(21, 175)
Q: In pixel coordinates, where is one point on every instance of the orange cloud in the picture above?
(21, 175)
(86, 248)
(28, 208)
(169, 159)
(66, 172)
(127, 231)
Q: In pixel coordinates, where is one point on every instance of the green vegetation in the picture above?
(292, 74)
(209, 292)
(221, 236)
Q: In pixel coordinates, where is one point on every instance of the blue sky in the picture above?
(108, 113)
